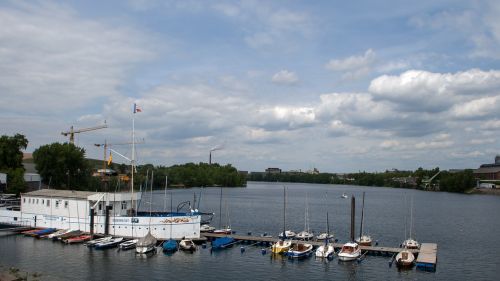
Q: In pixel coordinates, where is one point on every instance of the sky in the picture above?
(332, 85)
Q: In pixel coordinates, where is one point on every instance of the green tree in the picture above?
(11, 158)
(63, 165)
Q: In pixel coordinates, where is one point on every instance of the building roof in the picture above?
(60, 193)
(487, 170)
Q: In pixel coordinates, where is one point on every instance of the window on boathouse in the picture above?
(48, 202)
(124, 205)
(57, 203)
(66, 204)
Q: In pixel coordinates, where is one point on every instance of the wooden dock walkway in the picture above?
(374, 250)
(427, 258)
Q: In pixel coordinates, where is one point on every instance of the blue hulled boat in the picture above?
(170, 246)
(222, 243)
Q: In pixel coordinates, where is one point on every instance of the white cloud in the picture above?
(477, 108)
(390, 144)
(285, 77)
(353, 67)
(285, 117)
(482, 141)
(491, 125)
(417, 90)
(53, 60)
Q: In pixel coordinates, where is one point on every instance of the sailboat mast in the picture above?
(362, 217)
(284, 214)
(411, 217)
(132, 162)
(165, 196)
(327, 230)
(220, 209)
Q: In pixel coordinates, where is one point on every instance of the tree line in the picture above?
(459, 181)
(64, 166)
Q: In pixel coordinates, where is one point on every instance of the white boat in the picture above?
(92, 243)
(127, 245)
(288, 235)
(325, 251)
(344, 196)
(410, 244)
(206, 228)
(113, 242)
(306, 234)
(146, 244)
(324, 236)
(299, 250)
(405, 258)
(227, 228)
(349, 252)
(88, 211)
(58, 233)
(187, 245)
(364, 240)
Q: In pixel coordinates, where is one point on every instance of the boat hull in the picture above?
(281, 247)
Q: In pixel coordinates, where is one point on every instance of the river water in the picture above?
(465, 227)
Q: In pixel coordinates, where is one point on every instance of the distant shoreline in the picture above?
(485, 191)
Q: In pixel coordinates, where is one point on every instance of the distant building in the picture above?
(489, 171)
(314, 171)
(273, 170)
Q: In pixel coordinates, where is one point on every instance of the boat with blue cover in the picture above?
(222, 243)
(45, 231)
(170, 246)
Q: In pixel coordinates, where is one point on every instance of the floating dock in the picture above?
(373, 250)
(427, 257)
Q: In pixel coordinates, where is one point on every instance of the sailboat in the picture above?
(405, 258)
(170, 245)
(146, 244)
(350, 251)
(410, 243)
(227, 228)
(363, 240)
(306, 234)
(282, 245)
(326, 250)
(223, 242)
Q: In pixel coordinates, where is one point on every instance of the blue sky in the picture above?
(371, 85)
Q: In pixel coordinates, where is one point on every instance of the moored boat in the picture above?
(224, 230)
(281, 246)
(405, 259)
(187, 245)
(128, 245)
(304, 235)
(326, 250)
(113, 242)
(206, 228)
(170, 246)
(78, 239)
(299, 250)
(92, 243)
(146, 244)
(324, 236)
(70, 234)
(56, 234)
(222, 243)
(410, 244)
(288, 235)
(364, 240)
(349, 252)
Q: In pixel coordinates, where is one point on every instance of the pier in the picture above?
(426, 255)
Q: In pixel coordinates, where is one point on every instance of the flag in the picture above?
(137, 109)
(110, 158)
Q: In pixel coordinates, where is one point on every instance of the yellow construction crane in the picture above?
(72, 131)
